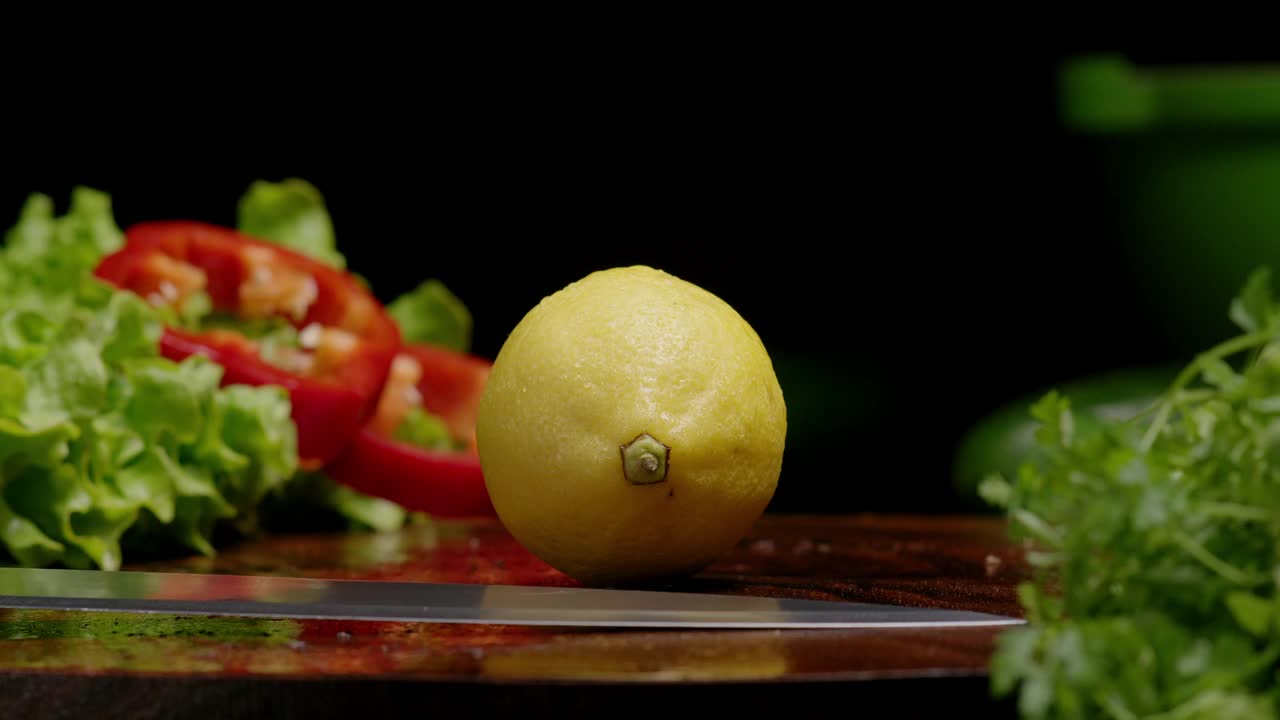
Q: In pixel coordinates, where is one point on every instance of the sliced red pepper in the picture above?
(338, 390)
(443, 484)
(451, 385)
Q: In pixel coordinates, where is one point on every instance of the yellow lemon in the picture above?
(632, 428)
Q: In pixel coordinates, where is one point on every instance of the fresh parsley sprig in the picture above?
(1153, 544)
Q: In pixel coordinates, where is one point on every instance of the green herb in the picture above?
(1154, 545)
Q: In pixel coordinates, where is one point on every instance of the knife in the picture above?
(310, 598)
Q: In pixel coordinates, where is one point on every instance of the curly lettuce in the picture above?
(291, 213)
(104, 444)
(432, 315)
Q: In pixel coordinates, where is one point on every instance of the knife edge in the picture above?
(365, 600)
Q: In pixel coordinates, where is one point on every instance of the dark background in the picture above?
(914, 236)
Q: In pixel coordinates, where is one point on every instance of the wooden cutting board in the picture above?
(56, 664)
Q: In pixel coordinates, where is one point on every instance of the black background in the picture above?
(912, 234)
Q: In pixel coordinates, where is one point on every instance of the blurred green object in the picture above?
(430, 314)
(1005, 439)
(1190, 165)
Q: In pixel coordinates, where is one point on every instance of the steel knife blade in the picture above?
(311, 598)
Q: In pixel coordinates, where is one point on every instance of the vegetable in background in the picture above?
(312, 502)
(419, 453)
(450, 387)
(104, 444)
(293, 214)
(1155, 545)
(333, 386)
(1006, 439)
(107, 447)
(416, 471)
(431, 315)
(45, 258)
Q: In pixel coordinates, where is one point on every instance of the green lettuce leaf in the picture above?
(48, 260)
(314, 499)
(25, 542)
(106, 447)
(255, 422)
(291, 213)
(432, 315)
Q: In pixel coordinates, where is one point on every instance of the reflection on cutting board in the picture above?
(961, 563)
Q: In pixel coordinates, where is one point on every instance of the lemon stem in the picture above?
(644, 460)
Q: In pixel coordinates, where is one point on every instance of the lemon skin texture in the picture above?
(621, 353)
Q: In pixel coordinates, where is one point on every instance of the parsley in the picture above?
(1153, 545)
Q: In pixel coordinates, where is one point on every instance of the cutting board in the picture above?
(107, 665)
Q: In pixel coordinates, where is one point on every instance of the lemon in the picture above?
(632, 428)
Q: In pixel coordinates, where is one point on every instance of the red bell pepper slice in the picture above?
(338, 390)
(443, 484)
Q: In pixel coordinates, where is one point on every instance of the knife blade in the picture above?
(312, 598)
